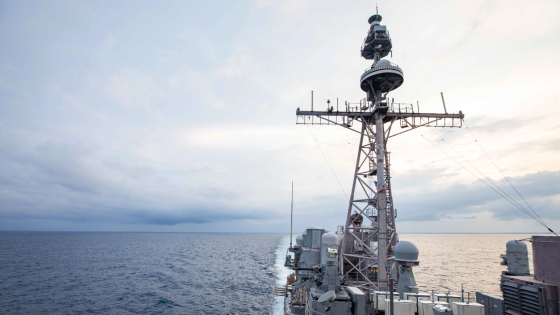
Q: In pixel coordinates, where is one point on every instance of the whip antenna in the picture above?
(292, 214)
(443, 101)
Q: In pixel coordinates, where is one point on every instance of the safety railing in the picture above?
(401, 108)
(393, 66)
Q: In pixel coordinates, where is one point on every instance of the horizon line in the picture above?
(240, 232)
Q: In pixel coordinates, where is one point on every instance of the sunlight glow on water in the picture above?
(449, 260)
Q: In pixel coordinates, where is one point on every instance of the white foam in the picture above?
(281, 273)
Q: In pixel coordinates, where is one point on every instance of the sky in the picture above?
(179, 116)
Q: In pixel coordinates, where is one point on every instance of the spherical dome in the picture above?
(329, 239)
(383, 62)
(304, 232)
(516, 246)
(406, 251)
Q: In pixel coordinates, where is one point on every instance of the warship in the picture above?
(363, 268)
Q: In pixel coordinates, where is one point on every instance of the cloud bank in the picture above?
(179, 116)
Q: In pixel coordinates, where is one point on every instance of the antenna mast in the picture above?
(292, 215)
(370, 235)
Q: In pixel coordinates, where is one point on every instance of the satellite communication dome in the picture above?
(382, 77)
(383, 62)
(329, 239)
(406, 251)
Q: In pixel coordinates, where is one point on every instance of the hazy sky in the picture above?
(180, 116)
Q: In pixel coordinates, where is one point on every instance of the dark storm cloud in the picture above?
(75, 182)
(199, 215)
(433, 202)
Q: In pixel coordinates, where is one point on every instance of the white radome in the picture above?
(329, 239)
(406, 251)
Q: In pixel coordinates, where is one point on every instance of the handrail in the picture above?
(392, 66)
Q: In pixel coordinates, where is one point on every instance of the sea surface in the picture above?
(199, 273)
(449, 260)
(137, 273)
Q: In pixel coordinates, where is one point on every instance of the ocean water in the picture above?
(192, 273)
(281, 272)
(137, 273)
(449, 260)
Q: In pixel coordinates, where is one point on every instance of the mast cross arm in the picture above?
(424, 115)
(389, 114)
(333, 113)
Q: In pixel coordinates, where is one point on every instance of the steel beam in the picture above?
(389, 114)
(344, 241)
(381, 205)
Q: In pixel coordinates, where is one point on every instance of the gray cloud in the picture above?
(75, 182)
(435, 202)
(162, 114)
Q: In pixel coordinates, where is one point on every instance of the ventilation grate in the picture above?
(530, 300)
(524, 299)
(511, 295)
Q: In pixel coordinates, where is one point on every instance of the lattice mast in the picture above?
(366, 250)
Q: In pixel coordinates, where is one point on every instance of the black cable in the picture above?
(328, 163)
(349, 147)
(489, 180)
(336, 145)
(453, 143)
(507, 178)
(452, 130)
(523, 210)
